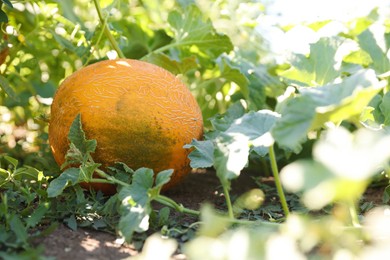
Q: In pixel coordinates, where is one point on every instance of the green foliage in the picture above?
(321, 116)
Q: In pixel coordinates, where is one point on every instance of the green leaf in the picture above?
(373, 42)
(290, 131)
(137, 192)
(5, 85)
(337, 102)
(256, 127)
(385, 108)
(65, 43)
(191, 29)
(174, 66)
(320, 67)
(18, 228)
(14, 162)
(162, 178)
(77, 137)
(69, 177)
(38, 214)
(233, 74)
(143, 179)
(230, 156)
(71, 222)
(213, 224)
(86, 172)
(330, 103)
(222, 122)
(342, 166)
(8, 3)
(136, 203)
(3, 16)
(202, 155)
(136, 220)
(356, 156)
(73, 156)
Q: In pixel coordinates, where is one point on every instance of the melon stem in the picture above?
(173, 204)
(279, 188)
(107, 32)
(110, 178)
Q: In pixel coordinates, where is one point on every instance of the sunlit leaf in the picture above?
(191, 29)
(230, 156)
(232, 73)
(374, 43)
(174, 66)
(256, 127)
(135, 203)
(353, 156)
(342, 166)
(385, 108)
(321, 65)
(213, 224)
(290, 131)
(316, 106)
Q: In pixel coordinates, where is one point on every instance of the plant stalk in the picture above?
(110, 178)
(173, 204)
(107, 32)
(279, 188)
(228, 201)
(354, 214)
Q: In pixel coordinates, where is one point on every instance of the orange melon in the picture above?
(139, 114)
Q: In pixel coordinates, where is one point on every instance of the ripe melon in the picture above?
(139, 114)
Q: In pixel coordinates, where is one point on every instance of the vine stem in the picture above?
(228, 201)
(354, 214)
(107, 32)
(110, 178)
(173, 204)
(279, 188)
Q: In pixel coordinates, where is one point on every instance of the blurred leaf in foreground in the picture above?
(342, 166)
(333, 102)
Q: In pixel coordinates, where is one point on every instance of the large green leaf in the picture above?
(256, 127)
(191, 29)
(320, 67)
(374, 43)
(341, 168)
(174, 66)
(136, 203)
(385, 108)
(230, 156)
(314, 107)
(291, 129)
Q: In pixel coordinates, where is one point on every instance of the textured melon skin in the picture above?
(139, 114)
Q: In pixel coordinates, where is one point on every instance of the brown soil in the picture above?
(198, 187)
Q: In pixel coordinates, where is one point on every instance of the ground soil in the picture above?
(197, 188)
